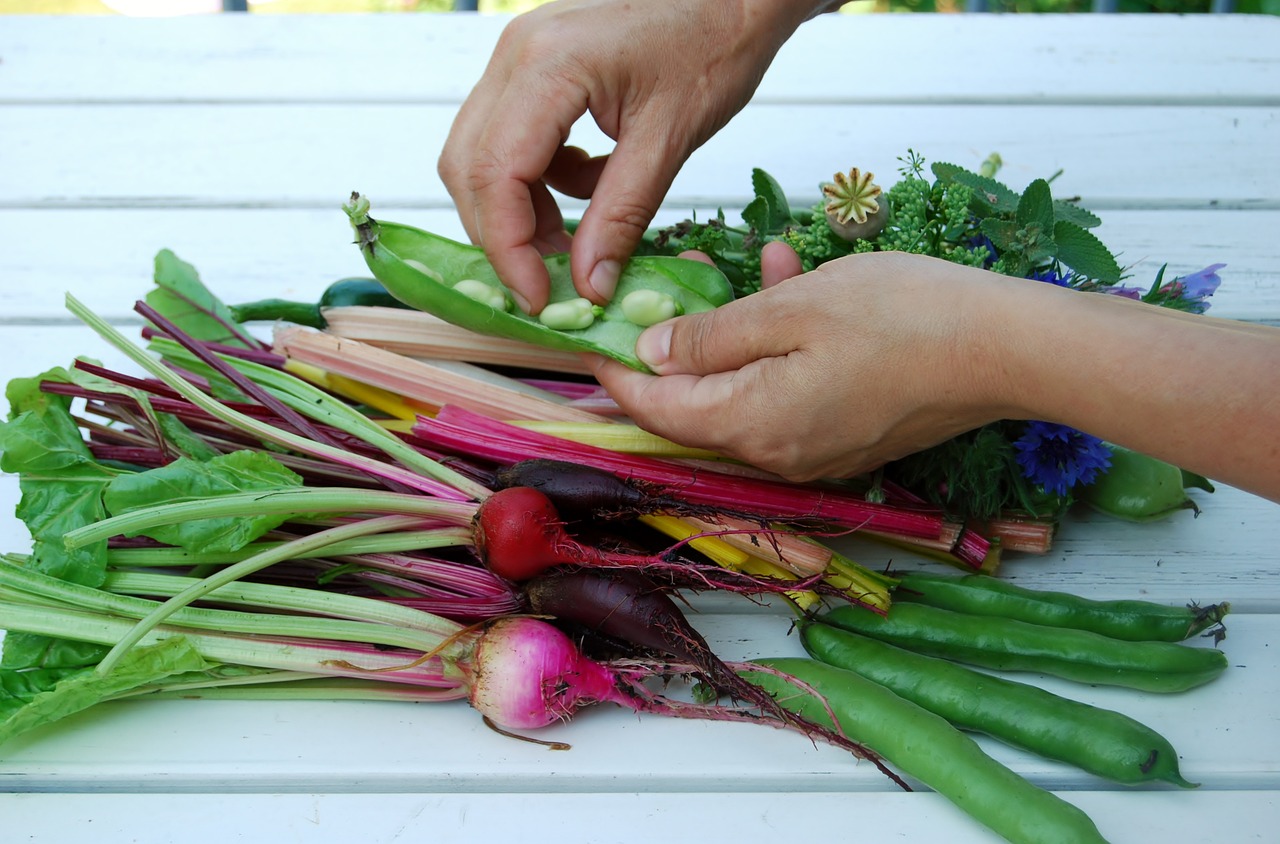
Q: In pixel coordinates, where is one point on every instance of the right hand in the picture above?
(862, 361)
(658, 77)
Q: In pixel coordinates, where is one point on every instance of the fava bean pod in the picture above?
(1008, 645)
(1100, 741)
(1140, 488)
(924, 746)
(1139, 621)
(423, 270)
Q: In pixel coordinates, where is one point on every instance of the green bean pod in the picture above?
(924, 746)
(1100, 741)
(1139, 621)
(1008, 645)
(421, 269)
(1139, 488)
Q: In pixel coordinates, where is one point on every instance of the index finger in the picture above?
(512, 209)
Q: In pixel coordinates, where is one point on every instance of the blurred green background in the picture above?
(107, 7)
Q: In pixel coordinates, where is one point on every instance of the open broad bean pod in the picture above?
(454, 281)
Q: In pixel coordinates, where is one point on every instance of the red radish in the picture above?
(526, 674)
(519, 534)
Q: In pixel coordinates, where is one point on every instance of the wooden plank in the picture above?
(313, 156)
(1224, 733)
(943, 58)
(747, 818)
(1228, 553)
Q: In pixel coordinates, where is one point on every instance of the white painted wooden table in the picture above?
(232, 140)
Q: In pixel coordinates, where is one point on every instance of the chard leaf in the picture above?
(17, 688)
(182, 298)
(33, 650)
(1080, 250)
(25, 396)
(61, 483)
(53, 506)
(80, 690)
(183, 440)
(187, 480)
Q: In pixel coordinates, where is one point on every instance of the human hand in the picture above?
(862, 361)
(658, 77)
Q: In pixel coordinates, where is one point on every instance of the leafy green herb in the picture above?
(769, 212)
(1080, 250)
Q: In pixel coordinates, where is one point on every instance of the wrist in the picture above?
(985, 366)
(1022, 348)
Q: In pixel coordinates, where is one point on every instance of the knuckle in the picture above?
(447, 167)
(536, 40)
(484, 169)
(629, 215)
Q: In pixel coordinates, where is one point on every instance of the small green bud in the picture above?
(357, 209)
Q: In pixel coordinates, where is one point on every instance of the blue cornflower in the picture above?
(1199, 286)
(1052, 276)
(1057, 457)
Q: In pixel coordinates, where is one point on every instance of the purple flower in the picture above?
(1057, 457)
(1126, 291)
(1198, 286)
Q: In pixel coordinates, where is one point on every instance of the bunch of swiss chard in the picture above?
(1035, 468)
(221, 525)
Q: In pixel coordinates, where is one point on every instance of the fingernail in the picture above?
(653, 346)
(604, 278)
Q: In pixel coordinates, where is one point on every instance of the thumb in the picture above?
(722, 340)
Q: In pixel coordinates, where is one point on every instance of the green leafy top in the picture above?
(182, 298)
